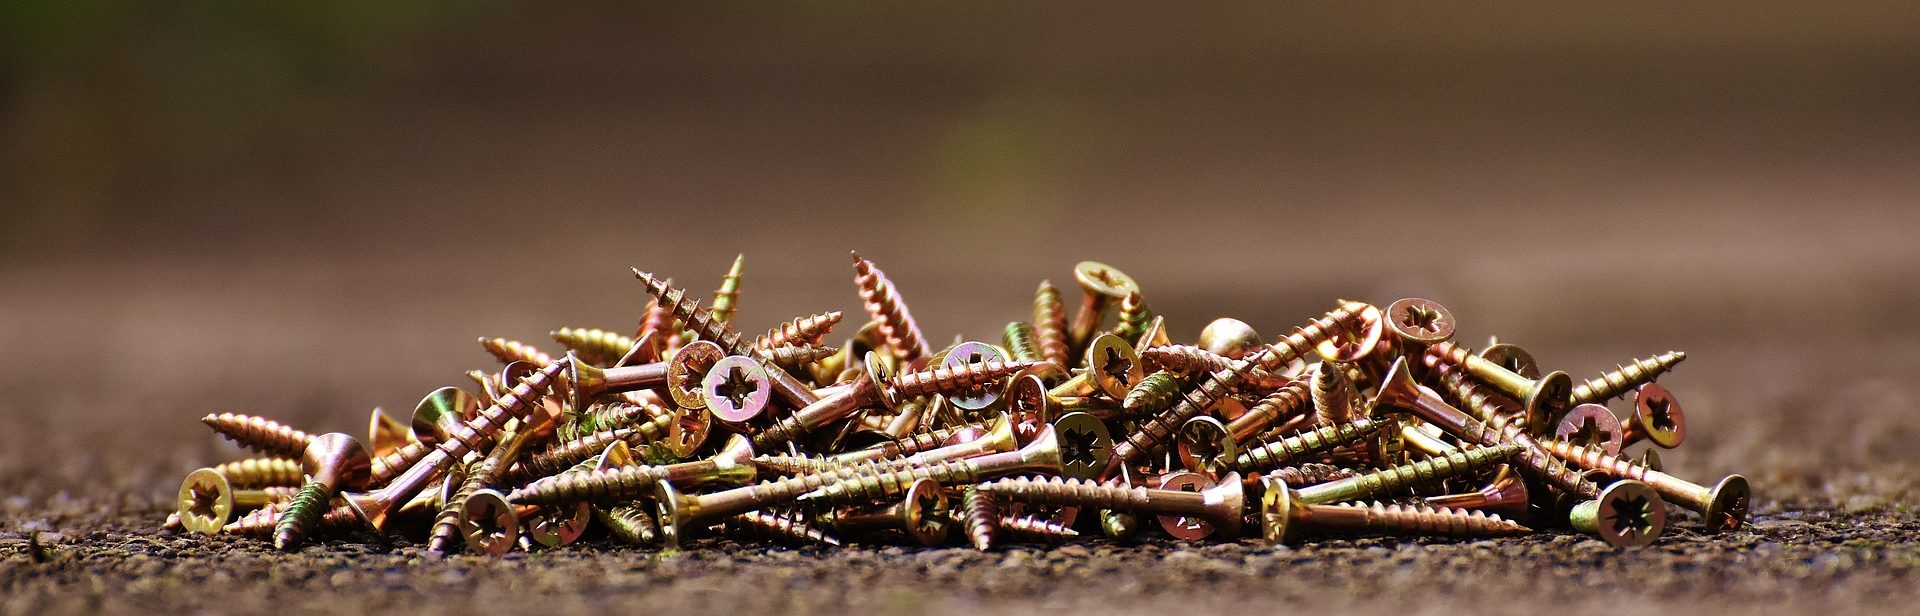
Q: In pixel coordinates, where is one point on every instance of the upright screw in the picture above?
(727, 296)
(1134, 317)
(1219, 506)
(982, 517)
(1335, 398)
(332, 462)
(1192, 402)
(1050, 324)
(1101, 287)
(884, 304)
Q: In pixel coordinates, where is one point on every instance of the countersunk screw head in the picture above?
(1627, 514)
(1591, 424)
(489, 523)
(1206, 446)
(1115, 365)
(1102, 279)
(1727, 504)
(1657, 417)
(1276, 509)
(441, 411)
(1187, 528)
(1085, 445)
(736, 389)
(926, 512)
(973, 352)
(688, 431)
(1513, 358)
(1027, 399)
(688, 367)
(1552, 393)
(1420, 320)
(206, 501)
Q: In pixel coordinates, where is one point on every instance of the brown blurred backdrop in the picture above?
(308, 210)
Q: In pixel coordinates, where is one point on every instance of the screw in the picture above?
(1304, 474)
(1050, 324)
(207, 500)
(261, 522)
(1397, 389)
(1085, 445)
(1287, 401)
(587, 383)
(1505, 495)
(260, 434)
(560, 456)
(806, 330)
(884, 304)
(701, 323)
(922, 514)
(1540, 399)
(1335, 398)
(1230, 338)
(1153, 394)
(596, 347)
(1656, 418)
(871, 387)
(1205, 446)
(733, 465)
(1281, 516)
(1219, 506)
(488, 522)
(385, 434)
(998, 438)
(1380, 483)
(1191, 360)
(982, 517)
(1628, 514)
(968, 353)
(795, 357)
(509, 351)
(1019, 338)
(1179, 526)
(373, 507)
(1420, 321)
(479, 476)
(261, 472)
(870, 483)
(434, 419)
(1591, 424)
(1273, 454)
(332, 461)
(1119, 525)
(727, 296)
(1192, 402)
(1723, 506)
(1614, 384)
(1513, 358)
(736, 389)
(1113, 368)
(783, 527)
(1134, 318)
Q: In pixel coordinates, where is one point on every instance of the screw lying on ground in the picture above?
(788, 439)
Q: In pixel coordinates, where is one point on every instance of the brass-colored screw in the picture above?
(867, 483)
(884, 304)
(1154, 393)
(596, 347)
(1397, 389)
(782, 527)
(795, 357)
(727, 297)
(1274, 454)
(1050, 324)
(385, 434)
(1156, 430)
(489, 524)
(1112, 368)
(1419, 321)
(959, 358)
(1219, 506)
(1541, 399)
(1281, 517)
(1306, 474)
(262, 522)
(1591, 424)
(1134, 318)
(1119, 525)
(1723, 506)
(870, 387)
(1656, 418)
(207, 500)
(587, 383)
(1205, 446)
(261, 472)
(1627, 514)
(1379, 483)
(736, 389)
(373, 507)
(701, 323)
(806, 330)
(1020, 341)
(1506, 494)
(260, 434)
(1230, 338)
(509, 351)
(923, 513)
(1034, 529)
(435, 418)
(733, 465)
(481, 475)
(1335, 398)
(982, 518)
(1287, 401)
(1101, 286)
(332, 462)
(1610, 385)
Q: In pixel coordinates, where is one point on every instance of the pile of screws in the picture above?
(1361, 421)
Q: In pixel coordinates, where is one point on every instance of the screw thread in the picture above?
(1191, 360)
(1480, 402)
(509, 351)
(1504, 429)
(982, 518)
(1273, 454)
(1021, 342)
(786, 528)
(598, 347)
(809, 330)
(1594, 458)
(884, 304)
(954, 379)
(726, 299)
(870, 482)
(691, 316)
(795, 356)
(603, 485)
(1035, 529)
(1335, 398)
(261, 472)
(631, 523)
(1153, 394)
(1370, 485)
(1064, 491)
(1156, 430)
(1305, 337)
(302, 514)
(1280, 403)
(1610, 385)
(1310, 473)
(609, 416)
(397, 461)
(478, 433)
(1381, 517)
(260, 434)
(1050, 324)
(655, 324)
(446, 522)
(263, 521)
(1133, 319)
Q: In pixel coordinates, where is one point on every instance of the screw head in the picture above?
(1513, 358)
(1231, 337)
(1420, 320)
(205, 501)
(617, 455)
(557, 527)
(1179, 526)
(1657, 415)
(689, 431)
(1085, 445)
(1276, 509)
(339, 461)
(441, 411)
(1115, 365)
(1727, 505)
(1347, 346)
(1027, 399)
(925, 512)
(1102, 279)
(1205, 446)
(489, 523)
(685, 371)
(736, 389)
(1591, 424)
(1549, 398)
(973, 352)
(1631, 514)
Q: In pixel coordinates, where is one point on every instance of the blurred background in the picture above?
(307, 210)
